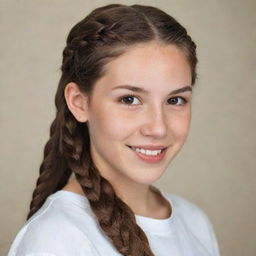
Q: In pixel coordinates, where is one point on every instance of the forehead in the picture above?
(147, 64)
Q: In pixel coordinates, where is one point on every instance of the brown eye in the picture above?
(177, 101)
(129, 99)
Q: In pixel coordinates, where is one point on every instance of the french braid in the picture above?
(104, 34)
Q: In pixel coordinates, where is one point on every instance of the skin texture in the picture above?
(150, 119)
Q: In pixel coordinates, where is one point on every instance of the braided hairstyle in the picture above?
(106, 33)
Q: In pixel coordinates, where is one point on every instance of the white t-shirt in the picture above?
(66, 226)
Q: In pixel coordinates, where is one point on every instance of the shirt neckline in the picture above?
(152, 225)
(158, 226)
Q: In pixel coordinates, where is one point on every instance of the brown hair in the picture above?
(106, 33)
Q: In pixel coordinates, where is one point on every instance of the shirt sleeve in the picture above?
(52, 244)
(199, 224)
(204, 230)
(214, 243)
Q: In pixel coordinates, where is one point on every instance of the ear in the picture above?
(76, 101)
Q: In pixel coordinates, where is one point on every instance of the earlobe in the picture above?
(76, 102)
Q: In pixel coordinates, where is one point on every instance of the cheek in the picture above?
(180, 124)
(111, 123)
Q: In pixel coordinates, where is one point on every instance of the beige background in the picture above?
(216, 168)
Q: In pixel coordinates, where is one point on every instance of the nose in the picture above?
(154, 123)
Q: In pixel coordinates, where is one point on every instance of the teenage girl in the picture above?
(123, 113)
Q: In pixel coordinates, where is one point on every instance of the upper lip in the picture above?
(150, 147)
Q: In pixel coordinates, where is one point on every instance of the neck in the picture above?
(144, 200)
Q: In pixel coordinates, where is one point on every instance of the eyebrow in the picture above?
(141, 90)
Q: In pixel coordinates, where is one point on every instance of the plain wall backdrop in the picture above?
(215, 169)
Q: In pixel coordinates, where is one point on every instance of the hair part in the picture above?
(103, 35)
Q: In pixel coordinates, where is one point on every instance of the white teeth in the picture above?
(148, 152)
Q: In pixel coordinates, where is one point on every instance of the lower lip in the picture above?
(150, 158)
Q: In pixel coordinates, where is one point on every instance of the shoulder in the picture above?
(54, 230)
(195, 219)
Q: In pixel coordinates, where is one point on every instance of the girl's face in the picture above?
(143, 100)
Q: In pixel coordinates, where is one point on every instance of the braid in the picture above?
(53, 172)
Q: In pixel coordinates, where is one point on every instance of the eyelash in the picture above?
(134, 96)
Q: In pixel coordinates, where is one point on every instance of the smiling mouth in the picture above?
(149, 156)
(147, 151)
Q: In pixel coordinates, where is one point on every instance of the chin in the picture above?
(148, 179)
